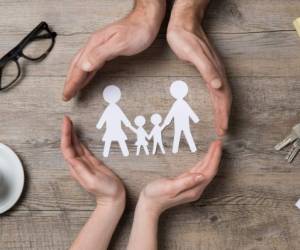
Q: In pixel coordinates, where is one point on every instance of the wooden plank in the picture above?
(186, 227)
(31, 125)
(250, 205)
(68, 17)
(257, 54)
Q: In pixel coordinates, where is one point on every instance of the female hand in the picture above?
(165, 193)
(90, 172)
(126, 37)
(189, 42)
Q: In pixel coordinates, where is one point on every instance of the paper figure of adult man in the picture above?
(113, 117)
(181, 113)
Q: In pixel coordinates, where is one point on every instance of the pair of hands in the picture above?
(156, 197)
(134, 33)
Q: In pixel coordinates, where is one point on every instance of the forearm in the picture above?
(98, 230)
(191, 11)
(144, 229)
(152, 11)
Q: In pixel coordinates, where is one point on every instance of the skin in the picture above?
(162, 194)
(109, 192)
(102, 183)
(128, 36)
(189, 42)
(135, 33)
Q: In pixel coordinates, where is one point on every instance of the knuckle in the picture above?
(93, 38)
(194, 194)
(168, 188)
(92, 185)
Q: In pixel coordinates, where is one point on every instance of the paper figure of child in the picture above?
(156, 133)
(181, 112)
(141, 135)
(113, 117)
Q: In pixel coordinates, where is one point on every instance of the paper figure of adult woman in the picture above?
(113, 117)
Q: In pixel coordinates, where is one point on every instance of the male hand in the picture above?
(188, 41)
(126, 37)
(90, 172)
(165, 193)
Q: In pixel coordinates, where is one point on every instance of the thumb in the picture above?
(186, 182)
(95, 58)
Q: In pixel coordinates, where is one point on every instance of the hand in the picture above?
(91, 173)
(188, 41)
(126, 37)
(165, 193)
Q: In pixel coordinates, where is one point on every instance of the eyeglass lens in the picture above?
(9, 74)
(39, 45)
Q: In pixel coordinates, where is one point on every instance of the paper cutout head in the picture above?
(140, 121)
(156, 119)
(112, 94)
(179, 89)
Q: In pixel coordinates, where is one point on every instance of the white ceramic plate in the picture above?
(11, 178)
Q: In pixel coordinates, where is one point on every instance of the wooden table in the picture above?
(250, 205)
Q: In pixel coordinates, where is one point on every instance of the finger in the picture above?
(214, 56)
(73, 63)
(179, 185)
(201, 165)
(78, 79)
(74, 78)
(76, 143)
(75, 176)
(213, 166)
(96, 163)
(66, 139)
(206, 68)
(81, 170)
(190, 195)
(89, 155)
(222, 106)
(94, 59)
(95, 40)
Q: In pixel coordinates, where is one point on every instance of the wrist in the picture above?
(150, 13)
(112, 210)
(148, 208)
(188, 13)
(114, 205)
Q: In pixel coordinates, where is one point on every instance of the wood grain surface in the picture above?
(250, 204)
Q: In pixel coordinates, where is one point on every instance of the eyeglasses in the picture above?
(34, 47)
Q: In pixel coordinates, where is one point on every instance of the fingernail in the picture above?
(216, 83)
(86, 66)
(221, 132)
(199, 178)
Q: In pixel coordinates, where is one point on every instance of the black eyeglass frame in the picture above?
(17, 52)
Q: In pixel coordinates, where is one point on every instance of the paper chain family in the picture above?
(113, 117)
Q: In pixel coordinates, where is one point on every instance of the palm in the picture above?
(126, 37)
(168, 192)
(90, 172)
(193, 46)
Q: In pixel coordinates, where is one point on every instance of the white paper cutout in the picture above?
(156, 133)
(298, 204)
(113, 117)
(141, 135)
(181, 113)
